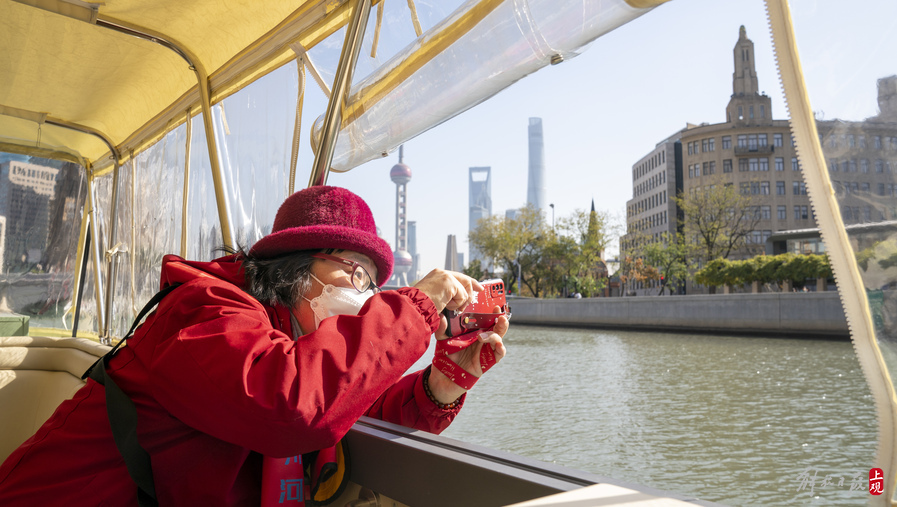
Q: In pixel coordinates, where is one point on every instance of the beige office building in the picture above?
(751, 151)
(756, 154)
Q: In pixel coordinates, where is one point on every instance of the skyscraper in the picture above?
(414, 274)
(535, 189)
(401, 175)
(480, 202)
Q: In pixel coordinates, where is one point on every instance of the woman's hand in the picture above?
(446, 391)
(448, 289)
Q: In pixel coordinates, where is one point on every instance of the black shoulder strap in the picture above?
(123, 415)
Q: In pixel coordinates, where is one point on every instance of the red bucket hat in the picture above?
(324, 217)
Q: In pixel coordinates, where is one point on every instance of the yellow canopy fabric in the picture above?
(129, 89)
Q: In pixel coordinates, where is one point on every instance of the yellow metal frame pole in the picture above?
(217, 176)
(341, 82)
(185, 207)
(79, 257)
(109, 257)
(95, 253)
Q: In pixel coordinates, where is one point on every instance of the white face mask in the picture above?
(336, 301)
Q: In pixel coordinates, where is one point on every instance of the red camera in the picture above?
(478, 314)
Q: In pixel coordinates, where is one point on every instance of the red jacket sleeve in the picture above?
(406, 403)
(217, 364)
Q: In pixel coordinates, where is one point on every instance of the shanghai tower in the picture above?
(535, 189)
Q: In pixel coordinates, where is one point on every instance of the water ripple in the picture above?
(728, 419)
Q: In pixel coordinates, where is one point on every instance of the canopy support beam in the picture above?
(202, 78)
(95, 253)
(333, 118)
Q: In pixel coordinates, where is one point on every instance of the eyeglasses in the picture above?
(361, 279)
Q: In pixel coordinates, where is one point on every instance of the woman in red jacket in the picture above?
(273, 353)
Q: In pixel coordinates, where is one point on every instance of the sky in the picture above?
(605, 109)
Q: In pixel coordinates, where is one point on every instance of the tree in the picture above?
(584, 237)
(635, 270)
(515, 243)
(669, 256)
(475, 270)
(717, 219)
(549, 258)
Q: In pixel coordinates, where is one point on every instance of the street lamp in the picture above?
(552, 215)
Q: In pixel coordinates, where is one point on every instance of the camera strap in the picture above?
(450, 369)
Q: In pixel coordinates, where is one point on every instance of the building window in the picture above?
(879, 166)
(881, 189)
(833, 166)
(782, 212)
(865, 188)
(794, 165)
(764, 164)
(711, 168)
(751, 111)
(833, 141)
(799, 188)
(727, 165)
(742, 165)
(753, 164)
(780, 164)
(862, 142)
(762, 140)
(777, 140)
(877, 142)
(727, 142)
(711, 143)
(745, 188)
(780, 188)
(766, 212)
(853, 166)
(800, 213)
(851, 141)
(752, 142)
(740, 113)
(742, 141)
(764, 188)
(762, 111)
(864, 166)
(755, 188)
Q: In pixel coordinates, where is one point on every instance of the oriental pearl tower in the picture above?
(401, 175)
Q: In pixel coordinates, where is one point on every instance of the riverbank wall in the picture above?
(814, 314)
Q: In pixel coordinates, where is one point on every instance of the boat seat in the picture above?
(36, 375)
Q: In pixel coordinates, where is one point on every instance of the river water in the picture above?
(735, 420)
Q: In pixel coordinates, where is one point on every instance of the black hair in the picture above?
(279, 280)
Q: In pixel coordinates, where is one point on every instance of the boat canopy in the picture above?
(93, 82)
